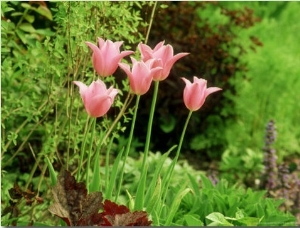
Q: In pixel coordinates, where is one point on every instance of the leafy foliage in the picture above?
(230, 205)
(268, 90)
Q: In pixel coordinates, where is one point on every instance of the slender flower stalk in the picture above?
(82, 149)
(128, 143)
(182, 136)
(150, 122)
(171, 169)
(90, 151)
(140, 190)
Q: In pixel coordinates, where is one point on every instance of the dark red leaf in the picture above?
(119, 215)
(111, 208)
(73, 204)
(136, 218)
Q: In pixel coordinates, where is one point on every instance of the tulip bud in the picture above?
(195, 93)
(107, 56)
(96, 98)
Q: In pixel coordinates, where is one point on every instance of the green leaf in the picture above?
(113, 175)
(131, 201)
(192, 220)
(96, 179)
(155, 196)
(29, 18)
(156, 174)
(14, 14)
(21, 35)
(42, 10)
(206, 182)
(26, 6)
(175, 204)
(45, 32)
(195, 185)
(51, 171)
(239, 214)
(27, 27)
(140, 193)
(249, 221)
(218, 219)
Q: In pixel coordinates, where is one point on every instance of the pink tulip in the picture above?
(163, 53)
(107, 56)
(96, 98)
(141, 76)
(195, 93)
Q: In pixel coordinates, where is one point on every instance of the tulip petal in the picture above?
(125, 67)
(146, 51)
(101, 42)
(211, 90)
(99, 105)
(97, 57)
(82, 89)
(158, 46)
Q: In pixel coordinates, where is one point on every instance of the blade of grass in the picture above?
(156, 197)
(95, 183)
(175, 205)
(140, 195)
(112, 180)
(157, 174)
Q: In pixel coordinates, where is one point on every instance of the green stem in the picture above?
(151, 21)
(128, 143)
(182, 135)
(142, 184)
(82, 150)
(107, 162)
(171, 168)
(90, 151)
(150, 122)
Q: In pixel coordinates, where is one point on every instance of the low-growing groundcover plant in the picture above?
(163, 191)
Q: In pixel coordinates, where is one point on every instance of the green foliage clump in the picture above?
(225, 205)
(269, 89)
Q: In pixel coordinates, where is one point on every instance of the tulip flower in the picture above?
(163, 53)
(141, 76)
(195, 93)
(107, 56)
(96, 98)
